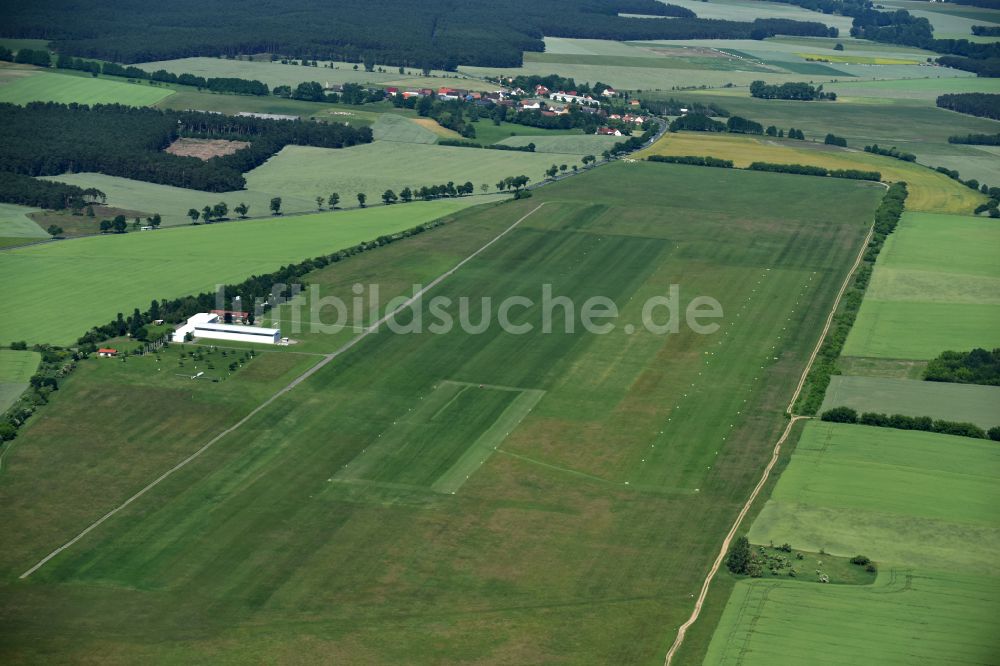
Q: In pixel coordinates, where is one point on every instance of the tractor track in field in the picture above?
(775, 454)
(327, 358)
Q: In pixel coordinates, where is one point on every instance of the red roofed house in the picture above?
(608, 131)
(392, 91)
(104, 352)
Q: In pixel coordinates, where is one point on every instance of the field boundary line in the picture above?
(288, 387)
(775, 453)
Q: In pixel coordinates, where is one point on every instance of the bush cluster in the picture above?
(692, 159)
(808, 170)
(903, 422)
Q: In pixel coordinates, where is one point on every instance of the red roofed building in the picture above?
(105, 352)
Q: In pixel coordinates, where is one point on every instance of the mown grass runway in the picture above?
(580, 537)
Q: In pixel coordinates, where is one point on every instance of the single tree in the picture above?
(362, 197)
(105, 226)
(194, 215)
(206, 214)
(406, 195)
(119, 224)
(54, 230)
(739, 558)
(276, 206)
(241, 210)
(220, 210)
(484, 188)
(333, 200)
(155, 221)
(389, 197)
(319, 203)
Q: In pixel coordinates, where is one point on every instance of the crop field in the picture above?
(310, 532)
(578, 144)
(933, 289)
(929, 191)
(488, 133)
(953, 402)
(951, 22)
(306, 172)
(277, 74)
(60, 290)
(185, 97)
(922, 89)
(921, 128)
(922, 506)
(16, 368)
(52, 87)
(396, 128)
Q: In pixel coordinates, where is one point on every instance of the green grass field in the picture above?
(16, 368)
(575, 145)
(173, 203)
(952, 402)
(933, 288)
(923, 506)
(488, 133)
(602, 471)
(306, 172)
(53, 87)
(60, 290)
(401, 130)
(15, 223)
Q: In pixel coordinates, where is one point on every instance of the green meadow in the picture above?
(60, 290)
(579, 144)
(933, 289)
(16, 368)
(952, 402)
(305, 172)
(15, 223)
(53, 87)
(479, 497)
(922, 506)
(173, 203)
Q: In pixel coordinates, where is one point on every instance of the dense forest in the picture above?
(985, 105)
(27, 191)
(429, 33)
(976, 139)
(126, 141)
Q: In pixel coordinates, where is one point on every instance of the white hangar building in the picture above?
(207, 325)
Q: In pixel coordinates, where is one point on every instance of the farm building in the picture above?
(105, 352)
(207, 325)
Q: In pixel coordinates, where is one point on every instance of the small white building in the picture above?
(207, 325)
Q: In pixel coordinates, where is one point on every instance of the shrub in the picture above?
(840, 415)
(860, 560)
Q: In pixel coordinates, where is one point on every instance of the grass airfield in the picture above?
(308, 529)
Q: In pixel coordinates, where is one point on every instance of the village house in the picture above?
(105, 352)
(608, 131)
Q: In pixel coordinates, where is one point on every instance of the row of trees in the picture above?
(834, 140)
(976, 139)
(694, 160)
(125, 141)
(699, 122)
(891, 152)
(434, 33)
(792, 90)
(807, 170)
(886, 218)
(903, 422)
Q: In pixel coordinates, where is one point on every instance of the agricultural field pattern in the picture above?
(652, 332)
